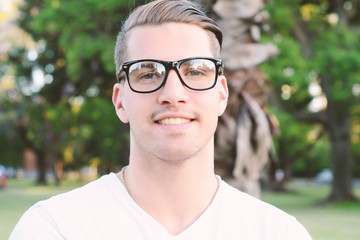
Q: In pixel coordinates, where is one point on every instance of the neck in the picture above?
(180, 192)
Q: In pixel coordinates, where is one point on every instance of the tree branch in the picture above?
(304, 38)
(319, 117)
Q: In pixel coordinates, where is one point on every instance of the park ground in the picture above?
(324, 222)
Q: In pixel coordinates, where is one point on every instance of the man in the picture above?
(171, 91)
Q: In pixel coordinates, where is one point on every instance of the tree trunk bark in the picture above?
(41, 164)
(285, 162)
(341, 155)
(338, 124)
(244, 156)
(40, 155)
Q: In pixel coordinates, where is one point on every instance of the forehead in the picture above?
(168, 41)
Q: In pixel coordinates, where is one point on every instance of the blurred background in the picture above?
(290, 135)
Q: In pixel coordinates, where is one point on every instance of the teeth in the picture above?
(170, 121)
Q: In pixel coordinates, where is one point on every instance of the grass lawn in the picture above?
(324, 222)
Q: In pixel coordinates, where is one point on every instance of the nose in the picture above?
(173, 92)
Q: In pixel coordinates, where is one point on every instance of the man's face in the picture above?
(174, 123)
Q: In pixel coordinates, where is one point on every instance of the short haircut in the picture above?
(166, 11)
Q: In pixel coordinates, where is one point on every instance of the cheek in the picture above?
(210, 107)
(128, 110)
(137, 108)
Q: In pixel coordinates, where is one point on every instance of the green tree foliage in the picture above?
(356, 139)
(299, 149)
(71, 118)
(320, 62)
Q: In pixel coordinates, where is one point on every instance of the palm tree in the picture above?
(244, 136)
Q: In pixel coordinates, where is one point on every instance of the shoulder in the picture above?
(240, 202)
(86, 194)
(255, 215)
(234, 196)
(92, 196)
(80, 207)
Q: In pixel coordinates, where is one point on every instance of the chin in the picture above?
(176, 157)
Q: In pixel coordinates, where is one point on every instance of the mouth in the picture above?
(173, 121)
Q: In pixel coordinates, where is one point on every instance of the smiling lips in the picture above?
(173, 121)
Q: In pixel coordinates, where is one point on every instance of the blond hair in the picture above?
(166, 11)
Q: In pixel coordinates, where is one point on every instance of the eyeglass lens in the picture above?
(195, 73)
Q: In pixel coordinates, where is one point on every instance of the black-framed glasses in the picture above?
(149, 75)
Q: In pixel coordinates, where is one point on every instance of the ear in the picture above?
(224, 94)
(119, 102)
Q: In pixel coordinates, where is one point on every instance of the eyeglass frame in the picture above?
(169, 65)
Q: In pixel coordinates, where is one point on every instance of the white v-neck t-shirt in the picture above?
(103, 209)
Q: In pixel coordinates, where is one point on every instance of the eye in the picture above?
(149, 76)
(197, 68)
(191, 72)
(146, 73)
(195, 72)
